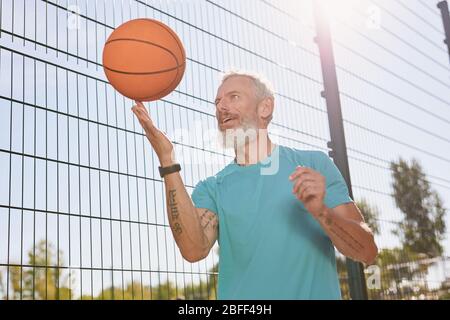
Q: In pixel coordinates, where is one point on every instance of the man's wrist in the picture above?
(167, 162)
(321, 213)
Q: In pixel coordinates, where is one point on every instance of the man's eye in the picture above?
(234, 96)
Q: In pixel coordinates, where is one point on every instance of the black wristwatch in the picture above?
(166, 170)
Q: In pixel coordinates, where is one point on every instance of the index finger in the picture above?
(139, 104)
(299, 171)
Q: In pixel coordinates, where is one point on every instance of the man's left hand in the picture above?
(309, 188)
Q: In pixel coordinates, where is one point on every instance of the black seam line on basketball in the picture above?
(144, 73)
(159, 92)
(177, 41)
(171, 32)
(147, 42)
(175, 37)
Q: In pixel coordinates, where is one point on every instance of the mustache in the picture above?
(227, 115)
(224, 116)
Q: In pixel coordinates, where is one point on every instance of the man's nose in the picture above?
(222, 106)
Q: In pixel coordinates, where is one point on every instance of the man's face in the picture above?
(236, 104)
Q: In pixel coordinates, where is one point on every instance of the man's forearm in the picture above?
(184, 222)
(353, 239)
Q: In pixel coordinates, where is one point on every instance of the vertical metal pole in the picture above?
(443, 6)
(356, 279)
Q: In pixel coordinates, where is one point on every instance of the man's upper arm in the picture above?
(203, 195)
(204, 201)
(337, 192)
(210, 224)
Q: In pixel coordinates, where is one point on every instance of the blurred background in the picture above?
(82, 205)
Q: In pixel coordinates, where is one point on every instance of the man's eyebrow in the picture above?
(227, 94)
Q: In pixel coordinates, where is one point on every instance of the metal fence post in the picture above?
(356, 279)
(443, 6)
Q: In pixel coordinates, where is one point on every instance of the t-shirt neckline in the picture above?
(260, 163)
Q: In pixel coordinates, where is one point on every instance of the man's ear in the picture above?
(266, 109)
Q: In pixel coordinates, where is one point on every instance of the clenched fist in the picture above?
(309, 187)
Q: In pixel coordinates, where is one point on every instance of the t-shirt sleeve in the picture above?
(203, 195)
(337, 191)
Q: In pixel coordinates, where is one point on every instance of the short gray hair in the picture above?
(263, 87)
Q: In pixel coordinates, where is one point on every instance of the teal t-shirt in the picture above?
(270, 247)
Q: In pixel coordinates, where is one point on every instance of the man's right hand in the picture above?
(159, 141)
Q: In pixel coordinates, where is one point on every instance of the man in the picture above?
(277, 229)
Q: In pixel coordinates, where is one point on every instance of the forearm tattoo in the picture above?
(342, 234)
(173, 204)
(208, 220)
(173, 207)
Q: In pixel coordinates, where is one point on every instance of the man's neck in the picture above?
(254, 151)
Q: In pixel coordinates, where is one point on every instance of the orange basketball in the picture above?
(144, 59)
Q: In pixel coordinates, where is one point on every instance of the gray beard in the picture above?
(235, 138)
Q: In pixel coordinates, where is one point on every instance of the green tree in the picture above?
(444, 290)
(423, 226)
(41, 282)
(204, 290)
(370, 214)
(164, 291)
(343, 276)
(403, 273)
(133, 291)
(404, 268)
